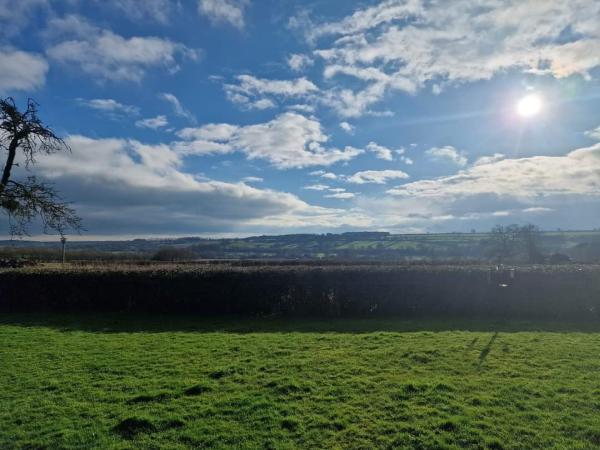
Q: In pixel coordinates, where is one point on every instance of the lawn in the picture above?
(126, 382)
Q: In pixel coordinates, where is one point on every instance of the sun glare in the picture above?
(529, 106)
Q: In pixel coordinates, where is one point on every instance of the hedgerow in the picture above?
(288, 290)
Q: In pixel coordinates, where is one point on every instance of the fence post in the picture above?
(63, 241)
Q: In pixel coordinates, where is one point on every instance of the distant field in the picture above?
(76, 382)
(581, 246)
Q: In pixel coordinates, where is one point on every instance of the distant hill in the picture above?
(580, 245)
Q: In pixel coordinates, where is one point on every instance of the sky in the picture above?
(246, 117)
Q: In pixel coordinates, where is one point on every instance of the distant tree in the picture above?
(514, 241)
(529, 236)
(25, 200)
(503, 242)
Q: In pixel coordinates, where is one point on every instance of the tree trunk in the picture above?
(12, 152)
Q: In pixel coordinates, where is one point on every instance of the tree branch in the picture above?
(25, 201)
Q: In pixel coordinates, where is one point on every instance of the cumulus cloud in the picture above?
(376, 176)
(348, 128)
(21, 71)
(564, 190)
(447, 154)
(257, 93)
(178, 108)
(288, 141)
(209, 132)
(153, 123)
(298, 62)
(109, 56)
(409, 45)
(230, 12)
(123, 186)
(380, 151)
(594, 134)
(489, 159)
(576, 173)
(401, 152)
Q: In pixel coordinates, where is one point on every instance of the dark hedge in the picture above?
(328, 291)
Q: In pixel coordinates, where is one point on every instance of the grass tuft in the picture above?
(198, 389)
(161, 397)
(132, 426)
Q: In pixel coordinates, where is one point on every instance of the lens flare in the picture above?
(529, 106)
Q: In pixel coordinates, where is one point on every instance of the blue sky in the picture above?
(240, 117)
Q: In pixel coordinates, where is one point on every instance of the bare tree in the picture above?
(515, 242)
(530, 235)
(28, 199)
(502, 243)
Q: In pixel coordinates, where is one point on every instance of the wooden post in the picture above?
(63, 241)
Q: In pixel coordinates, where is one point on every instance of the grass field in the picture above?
(108, 382)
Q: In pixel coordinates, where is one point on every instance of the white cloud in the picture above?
(288, 141)
(21, 71)
(263, 103)
(349, 103)
(109, 56)
(348, 128)
(448, 154)
(155, 10)
(341, 195)
(317, 187)
(302, 108)
(407, 45)
(229, 12)
(329, 176)
(15, 15)
(538, 176)
(178, 108)
(376, 176)
(298, 62)
(380, 151)
(253, 179)
(210, 132)
(537, 209)
(368, 18)
(594, 134)
(200, 147)
(489, 159)
(153, 123)
(401, 152)
(254, 93)
(109, 105)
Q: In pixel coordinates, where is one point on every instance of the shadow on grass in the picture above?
(130, 323)
(486, 350)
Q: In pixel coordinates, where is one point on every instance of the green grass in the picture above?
(76, 382)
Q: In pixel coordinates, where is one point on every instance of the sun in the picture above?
(529, 106)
